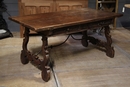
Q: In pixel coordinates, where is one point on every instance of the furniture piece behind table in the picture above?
(28, 7)
(108, 5)
(73, 21)
(127, 5)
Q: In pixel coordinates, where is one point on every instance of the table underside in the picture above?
(46, 63)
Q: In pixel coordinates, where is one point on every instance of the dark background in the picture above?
(12, 9)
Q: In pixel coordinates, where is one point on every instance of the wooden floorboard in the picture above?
(75, 65)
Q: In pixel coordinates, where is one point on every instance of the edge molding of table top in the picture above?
(54, 20)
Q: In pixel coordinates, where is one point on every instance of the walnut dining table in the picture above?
(64, 22)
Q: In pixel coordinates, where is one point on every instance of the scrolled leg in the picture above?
(109, 49)
(23, 57)
(107, 45)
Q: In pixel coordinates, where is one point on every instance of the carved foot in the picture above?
(84, 40)
(110, 52)
(46, 74)
(45, 67)
(24, 59)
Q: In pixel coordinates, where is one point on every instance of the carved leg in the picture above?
(45, 63)
(24, 58)
(107, 45)
(84, 39)
(109, 50)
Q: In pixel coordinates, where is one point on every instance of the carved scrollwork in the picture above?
(107, 45)
(27, 56)
(23, 57)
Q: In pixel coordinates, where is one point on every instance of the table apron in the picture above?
(77, 28)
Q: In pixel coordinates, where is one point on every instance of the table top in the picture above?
(127, 5)
(54, 20)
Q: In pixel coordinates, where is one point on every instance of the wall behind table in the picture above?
(12, 8)
(120, 10)
(126, 18)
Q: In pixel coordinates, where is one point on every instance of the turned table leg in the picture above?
(45, 63)
(24, 58)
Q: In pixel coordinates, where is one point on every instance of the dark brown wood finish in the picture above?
(27, 7)
(65, 22)
(53, 20)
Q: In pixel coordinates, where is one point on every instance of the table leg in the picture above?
(107, 45)
(84, 40)
(45, 63)
(24, 58)
(109, 49)
(27, 56)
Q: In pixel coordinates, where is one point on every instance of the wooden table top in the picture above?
(53, 20)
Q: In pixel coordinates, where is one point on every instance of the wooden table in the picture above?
(66, 22)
